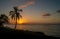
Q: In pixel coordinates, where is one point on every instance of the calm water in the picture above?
(51, 30)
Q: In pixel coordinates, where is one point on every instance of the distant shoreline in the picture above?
(37, 24)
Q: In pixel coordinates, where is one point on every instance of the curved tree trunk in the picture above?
(16, 23)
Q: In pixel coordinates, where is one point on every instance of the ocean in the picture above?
(50, 30)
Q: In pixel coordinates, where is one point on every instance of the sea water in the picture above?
(51, 30)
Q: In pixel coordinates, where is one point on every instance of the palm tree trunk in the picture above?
(16, 23)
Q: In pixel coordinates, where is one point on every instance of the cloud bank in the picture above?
(27, 4)
(58, 11)
(46, 14)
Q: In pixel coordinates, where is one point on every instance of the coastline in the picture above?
(13, 33)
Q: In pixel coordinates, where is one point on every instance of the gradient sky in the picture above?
(34, 11)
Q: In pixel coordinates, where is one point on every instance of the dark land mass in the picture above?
(7, 33)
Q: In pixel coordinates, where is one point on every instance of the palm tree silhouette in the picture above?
(3, 19)
(15, 15)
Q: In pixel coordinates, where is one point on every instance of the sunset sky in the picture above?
(34, 11)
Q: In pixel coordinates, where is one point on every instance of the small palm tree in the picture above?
(3, 19)
(15, 15)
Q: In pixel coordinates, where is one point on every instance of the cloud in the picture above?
(30, 3)
(27, 4)
(58, 11)
(22, 6)
(46, 14)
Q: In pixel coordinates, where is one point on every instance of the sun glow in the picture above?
(20, 21)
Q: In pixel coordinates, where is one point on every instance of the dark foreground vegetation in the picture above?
(8, 33)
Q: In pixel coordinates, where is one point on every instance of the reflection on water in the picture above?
(53, 30)
(32, 27)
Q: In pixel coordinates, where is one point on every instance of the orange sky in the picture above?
(40, 20)
(34, 11)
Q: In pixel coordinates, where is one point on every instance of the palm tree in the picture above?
(3, 19)
(15, 15)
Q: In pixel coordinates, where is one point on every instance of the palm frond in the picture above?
(13, 17)
(15, 9)
(11, 12)
(4, 18)
(21, 16)
(17, 15)
(20, 10)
